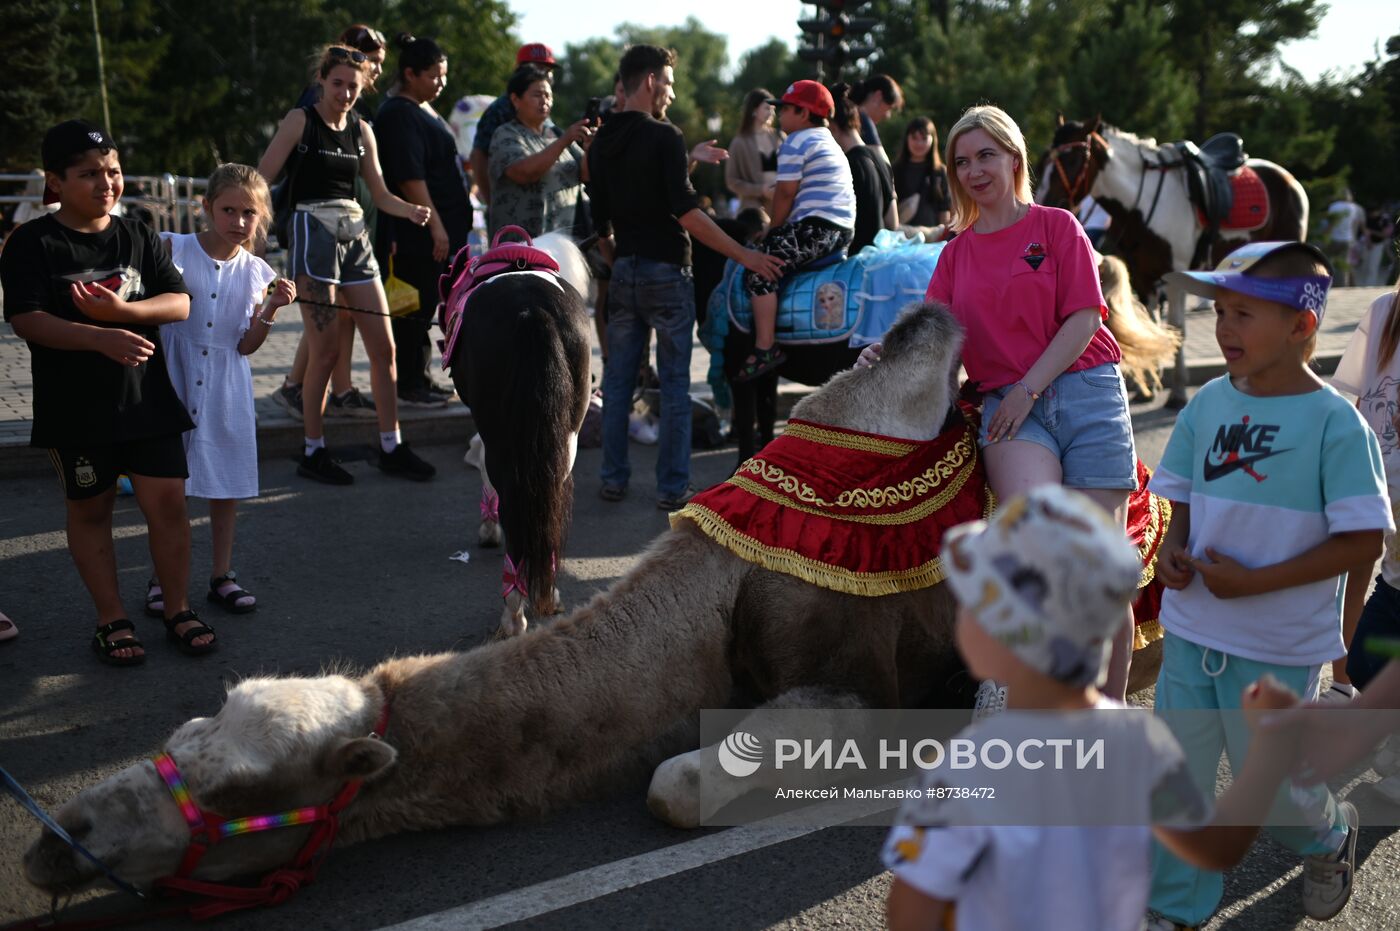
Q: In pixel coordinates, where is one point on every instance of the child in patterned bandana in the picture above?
(1042, 588)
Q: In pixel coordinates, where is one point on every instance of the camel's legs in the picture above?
(687, 790)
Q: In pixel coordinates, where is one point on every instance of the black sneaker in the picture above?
(421, 397)
(289, 397)
(321, 467)
(350, 404)
(677, 501)
(404, 461)
(446, 392)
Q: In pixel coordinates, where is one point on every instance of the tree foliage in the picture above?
(195, 82)
(192, 82)
(36, 92)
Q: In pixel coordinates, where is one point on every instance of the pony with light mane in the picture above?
(518, 350)
(1143, 185)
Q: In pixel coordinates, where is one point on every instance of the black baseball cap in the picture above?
(70, 138)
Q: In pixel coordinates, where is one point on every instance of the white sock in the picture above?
(390, 441)
(1345, 687)
(314, 443)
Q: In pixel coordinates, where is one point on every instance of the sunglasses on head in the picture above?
(354, 55)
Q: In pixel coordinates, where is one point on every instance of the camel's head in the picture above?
(276, 744)
(910, 393)
(924, 345)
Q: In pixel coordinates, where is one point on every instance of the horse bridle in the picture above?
(207, 829)
(1081, 178)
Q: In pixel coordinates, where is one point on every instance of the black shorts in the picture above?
(88, 471)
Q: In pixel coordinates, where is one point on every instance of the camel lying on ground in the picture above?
(572, 710)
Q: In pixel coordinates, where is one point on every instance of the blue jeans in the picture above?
(1380, 618)
(649, 295)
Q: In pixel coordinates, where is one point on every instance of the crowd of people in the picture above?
(140, 347)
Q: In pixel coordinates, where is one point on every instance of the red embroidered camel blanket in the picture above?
(865, 514)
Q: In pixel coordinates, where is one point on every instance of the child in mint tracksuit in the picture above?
(1277, 488)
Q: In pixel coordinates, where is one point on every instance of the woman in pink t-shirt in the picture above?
(1023, 281)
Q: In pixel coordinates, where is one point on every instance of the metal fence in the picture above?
(169, 203)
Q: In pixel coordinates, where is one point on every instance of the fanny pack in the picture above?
(343, 219)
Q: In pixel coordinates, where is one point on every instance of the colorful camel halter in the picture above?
(207, 829)
(460, 282)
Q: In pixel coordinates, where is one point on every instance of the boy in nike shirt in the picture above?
(1277, 488)
(87, 291)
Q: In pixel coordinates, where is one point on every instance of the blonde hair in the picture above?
(1003, 129)
(248, 181)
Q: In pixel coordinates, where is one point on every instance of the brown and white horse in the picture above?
(1143, 187)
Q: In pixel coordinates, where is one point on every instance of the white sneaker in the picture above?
(991, 699)
(1328, 880)
(1335, 695)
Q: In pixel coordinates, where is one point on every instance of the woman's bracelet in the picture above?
(264, 319)
(1035, 396)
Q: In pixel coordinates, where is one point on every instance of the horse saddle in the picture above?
(1209, 169)
(466, 274)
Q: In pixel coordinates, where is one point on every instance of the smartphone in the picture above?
(590, 113)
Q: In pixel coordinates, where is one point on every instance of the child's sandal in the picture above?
(185, 642)
(155, 600)
(228, 594)
(106, 648)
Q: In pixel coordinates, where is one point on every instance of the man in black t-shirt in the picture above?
(87, 291)
(642, 198)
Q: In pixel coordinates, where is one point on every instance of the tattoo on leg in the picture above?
(319, 296)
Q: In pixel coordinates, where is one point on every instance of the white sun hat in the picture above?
(1050, 576)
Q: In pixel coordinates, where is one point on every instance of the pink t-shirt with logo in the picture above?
(1012, 289)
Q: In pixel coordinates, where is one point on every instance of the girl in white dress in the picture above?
(230, 315)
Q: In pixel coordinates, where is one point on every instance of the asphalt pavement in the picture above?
(353, 575)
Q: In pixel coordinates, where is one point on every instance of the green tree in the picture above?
(192, 84)
(772, 66)
(38, 88)
(1159, 95)
(1013, 53)
(477, 35)
(1230, 48)
(586, 70)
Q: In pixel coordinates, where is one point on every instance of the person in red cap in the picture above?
(531, 55)
(535, 53)
(814, 210)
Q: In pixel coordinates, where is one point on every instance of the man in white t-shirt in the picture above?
(1042, 588)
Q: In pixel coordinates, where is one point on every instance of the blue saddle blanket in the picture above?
(854, 301)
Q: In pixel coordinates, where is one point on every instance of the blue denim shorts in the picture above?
(1083, 419)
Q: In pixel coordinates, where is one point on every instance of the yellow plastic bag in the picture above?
(403, 297)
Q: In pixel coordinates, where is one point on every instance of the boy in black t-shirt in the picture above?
(87, 291)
